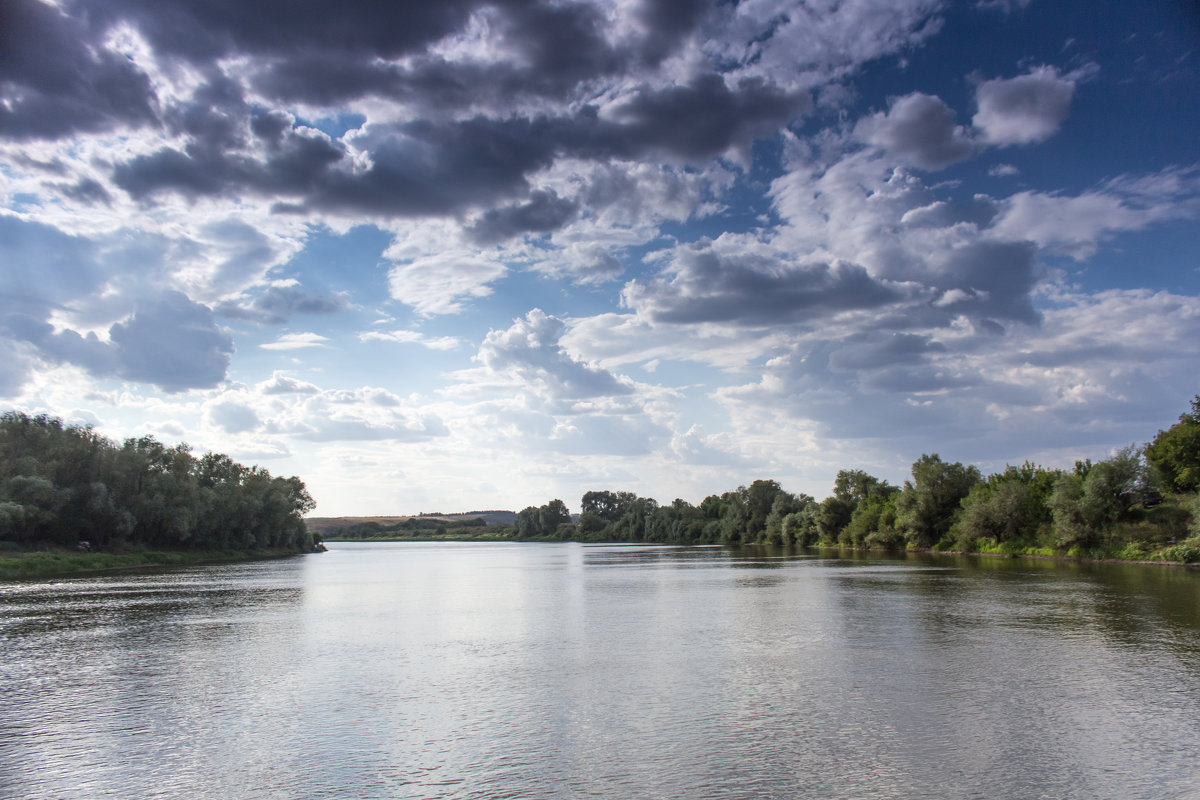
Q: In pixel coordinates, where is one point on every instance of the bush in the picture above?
(1188, 552)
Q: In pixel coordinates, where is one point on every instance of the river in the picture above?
(456, 670)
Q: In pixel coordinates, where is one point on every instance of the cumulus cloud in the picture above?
(366, 414)
(169, 341)
(233, 417)
(920, 129)
(528, 353)
(172, 343)
(1026, 109)
(281, 383)
(705, 285)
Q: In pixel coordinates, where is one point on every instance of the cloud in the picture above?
(438, 284)
(703, 284)
(411, 337)
(1076, 224)
(1026, 109)
(233, 417)
(59, 81)
(172, 343)
(278, 304)
(920, 129)
(296, 341)
(359, 415)
(545, 212)
(169, 341)
(528, 354)
(280, 383)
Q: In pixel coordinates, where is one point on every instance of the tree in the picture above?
(785, 503)
(1085, 505)
(1175, 452)
(59, 484)
(926, 506)
(832, 518)
(553, 514)
(1009, 506)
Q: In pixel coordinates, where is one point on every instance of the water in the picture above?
(569, 671)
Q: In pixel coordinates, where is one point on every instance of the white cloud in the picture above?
(296, 341)
(411, 337)
(441, 282)
(528, 355)
(1026, 109)
(1076, 224)
(281, 383)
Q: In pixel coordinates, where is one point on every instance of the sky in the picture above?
(478, 255)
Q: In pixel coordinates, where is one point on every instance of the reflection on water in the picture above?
(561, 670)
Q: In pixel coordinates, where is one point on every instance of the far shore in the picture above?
(1061, 557)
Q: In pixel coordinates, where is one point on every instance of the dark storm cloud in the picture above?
(330, 58)
(994, 279)
(306, 51)
(705, 117)
(705, 286)
(204, 30)
(431, 166)
(278, 304)
(298, 164)
(61, 76)
(57, 81)
(545, 212)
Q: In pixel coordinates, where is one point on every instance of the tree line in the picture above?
(1141, 503)
(63, 484)
(422, 526)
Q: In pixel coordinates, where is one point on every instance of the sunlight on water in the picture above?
(525, 671)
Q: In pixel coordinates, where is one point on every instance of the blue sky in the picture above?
(473, 255)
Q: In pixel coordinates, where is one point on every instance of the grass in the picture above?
(60, 564)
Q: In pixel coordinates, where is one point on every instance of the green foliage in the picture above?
(1187, 552)
(1175, 452)
(927, 504)
(416, 528)
(800, 527)
(1087, 504)
(873, 522)
(833, 516)
(62, 484)
(1009, 507)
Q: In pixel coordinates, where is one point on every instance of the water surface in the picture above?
(562, 671)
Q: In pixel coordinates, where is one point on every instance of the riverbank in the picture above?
(41, 564)
(1185, 553)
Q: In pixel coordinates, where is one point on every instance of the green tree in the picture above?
(1090, 501)
(927, 505)
(1175, 452)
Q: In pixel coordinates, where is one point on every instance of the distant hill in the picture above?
(322, 524)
